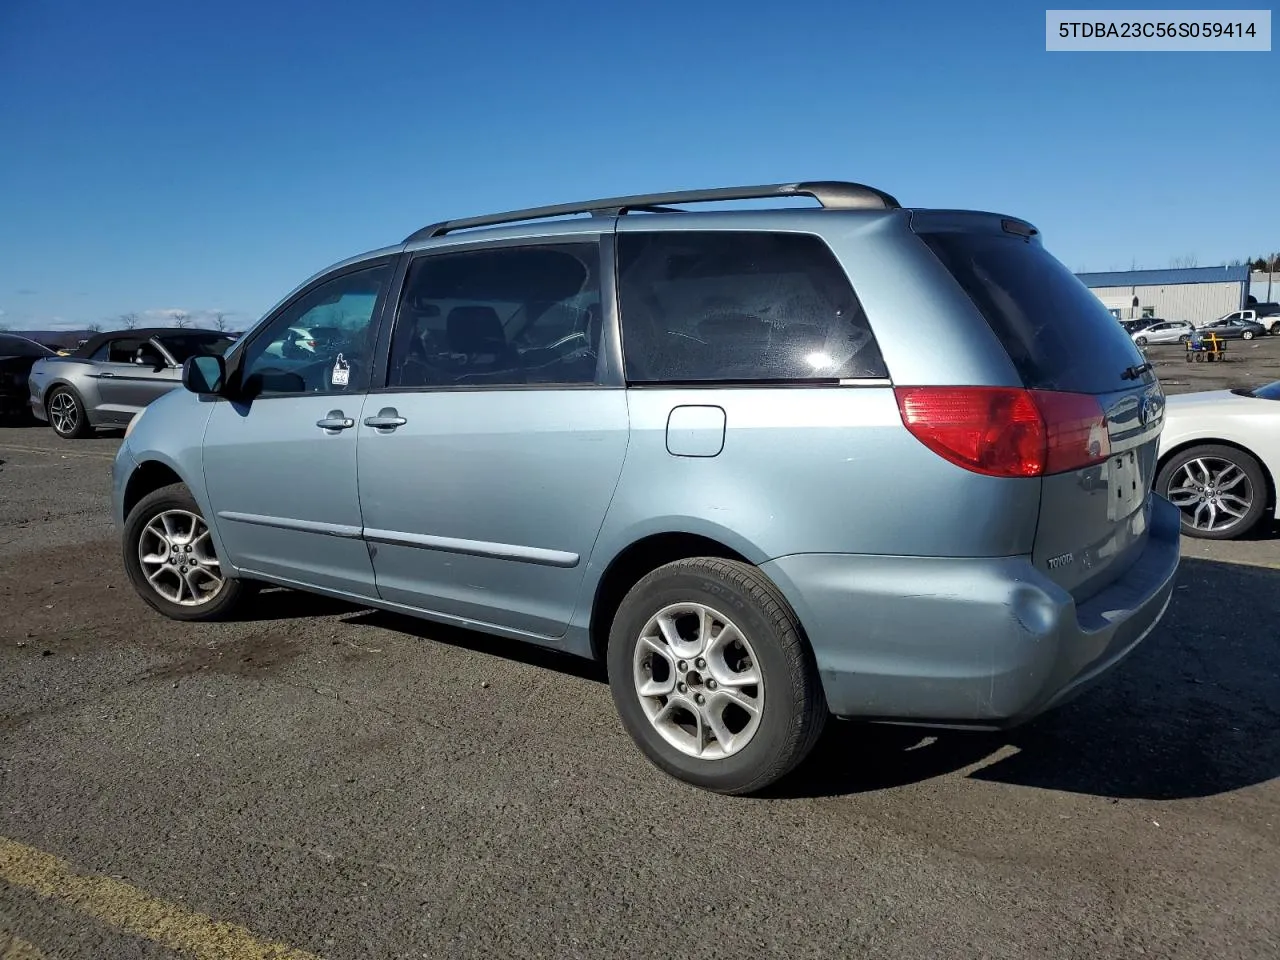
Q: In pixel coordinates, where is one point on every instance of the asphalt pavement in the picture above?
(325, 781)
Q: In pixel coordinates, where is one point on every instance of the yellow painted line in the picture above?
(133, 911)
(19, 949)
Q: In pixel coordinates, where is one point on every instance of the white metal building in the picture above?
(1195, 294)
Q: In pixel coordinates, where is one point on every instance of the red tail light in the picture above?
(1005, 432)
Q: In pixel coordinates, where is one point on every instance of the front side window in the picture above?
(320, 343)
(505, 316)
(708, 306)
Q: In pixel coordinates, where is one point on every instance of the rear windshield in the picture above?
(1057, 333)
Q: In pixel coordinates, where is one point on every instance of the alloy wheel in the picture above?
(175, 550)
(64, 412)
(1213, 494)
(698, 681)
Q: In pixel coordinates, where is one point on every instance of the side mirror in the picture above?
(205, 373)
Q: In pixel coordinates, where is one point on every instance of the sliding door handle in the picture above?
(388, 418)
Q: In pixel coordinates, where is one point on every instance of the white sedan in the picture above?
(1219, 459)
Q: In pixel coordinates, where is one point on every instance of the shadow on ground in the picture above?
(1192, 712)
(515, 650)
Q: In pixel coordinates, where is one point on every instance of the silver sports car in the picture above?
(114, 375)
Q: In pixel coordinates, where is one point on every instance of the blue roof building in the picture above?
(1195, 294)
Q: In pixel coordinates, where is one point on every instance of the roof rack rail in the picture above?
(831, 194)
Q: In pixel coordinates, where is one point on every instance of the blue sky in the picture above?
(158, 155)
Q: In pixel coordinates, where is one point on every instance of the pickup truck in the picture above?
(1268, 319)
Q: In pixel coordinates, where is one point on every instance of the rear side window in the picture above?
(729, 306)
(1057, 333)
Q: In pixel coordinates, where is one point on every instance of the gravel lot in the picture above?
(359, 785)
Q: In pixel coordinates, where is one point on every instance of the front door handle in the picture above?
(388, 418)
(106, 374)
(335, 421)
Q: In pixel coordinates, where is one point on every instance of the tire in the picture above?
(1184, 339)
(176, 500)
(75, 407)
(793, 710)
(1141, 341)
(1247, 335)
(1257, 489)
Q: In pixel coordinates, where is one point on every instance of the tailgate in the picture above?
(1093, 522)
(1060, 338)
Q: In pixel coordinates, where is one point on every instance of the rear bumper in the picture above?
(979, 642)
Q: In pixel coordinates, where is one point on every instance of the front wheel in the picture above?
(712, 677)
(1221, 491)
(1141, 341)
(170, 560)
(1247, 335)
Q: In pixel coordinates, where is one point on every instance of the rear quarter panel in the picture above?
(810, 470)
(71, 371)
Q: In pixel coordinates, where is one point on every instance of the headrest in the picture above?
(475, 330)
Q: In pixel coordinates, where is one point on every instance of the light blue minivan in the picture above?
(769, 465)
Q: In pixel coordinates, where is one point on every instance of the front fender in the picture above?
(170, 433)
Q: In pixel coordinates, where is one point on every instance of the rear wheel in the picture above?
(66, 413)
(170, 560)
(1221, 491)
(1247, 335)
(712, 677)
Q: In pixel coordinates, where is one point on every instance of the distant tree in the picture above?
(1258, 266)
(94, 327)
(1190, 260)
(129, 320)
(220, 321)
(181, 319)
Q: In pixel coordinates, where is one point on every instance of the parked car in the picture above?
(112, 376)
(1164, 331)
(1132, 326)
(1232, 327)
(1266, 314)
(1220, 459)
(703, 448)
(17, 354)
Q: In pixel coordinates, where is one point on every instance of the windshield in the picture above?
(181, 346)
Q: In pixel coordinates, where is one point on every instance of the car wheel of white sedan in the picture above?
(1220, 490)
